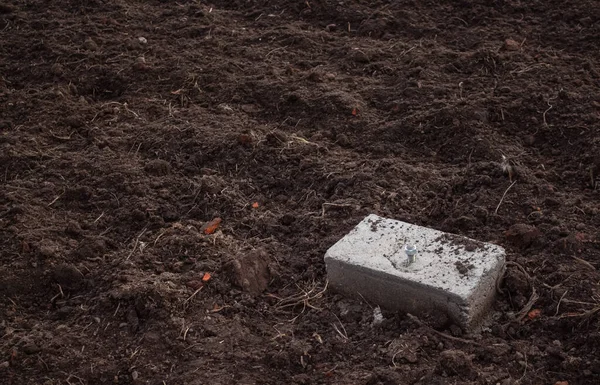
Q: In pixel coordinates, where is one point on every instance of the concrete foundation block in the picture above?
(451, 276)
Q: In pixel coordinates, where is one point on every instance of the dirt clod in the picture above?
(250, 271)
(518, 285)
(522, 235)
(456, 363)
(511, 45)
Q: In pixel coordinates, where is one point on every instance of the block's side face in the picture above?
(483, 296)
(394, 293)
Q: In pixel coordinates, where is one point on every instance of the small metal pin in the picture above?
(411, 253)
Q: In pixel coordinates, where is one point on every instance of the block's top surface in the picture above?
(444, 261)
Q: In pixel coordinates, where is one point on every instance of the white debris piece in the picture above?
(377, 316)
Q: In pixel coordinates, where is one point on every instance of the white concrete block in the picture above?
(452, 274)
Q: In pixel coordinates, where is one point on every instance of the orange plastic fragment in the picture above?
(354, 111)
(206, 277)
(212, 226)
(255, 205)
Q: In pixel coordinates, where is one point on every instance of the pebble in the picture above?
(142, 40)
(511, 45)
(90, 45)
(140, 63)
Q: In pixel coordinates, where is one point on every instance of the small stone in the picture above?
(90, 44)
(57, 69)
(134, 375)
(377, 316)
(140, 63)
(142, 40)
(73, 228)
(511, 45)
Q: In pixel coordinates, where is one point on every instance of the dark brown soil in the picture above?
(291, 121)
